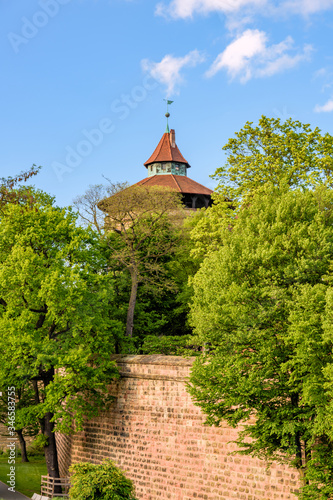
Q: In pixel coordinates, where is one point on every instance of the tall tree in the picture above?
(55, 331)
(143, 227)
(161, 305)
(280, 153)
(262, 307)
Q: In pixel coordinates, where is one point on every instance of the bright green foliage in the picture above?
(288, 153)
(262, 308)
(100, 482)
(207, 227)
(55, 330)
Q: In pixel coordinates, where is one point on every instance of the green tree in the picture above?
(262, 309)
(55, 331)
(157, 306)
(282, 154)
(160, 311)
(278, 153)
(143, 227)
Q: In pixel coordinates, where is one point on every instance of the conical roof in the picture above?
(167, 150)
(178, 183)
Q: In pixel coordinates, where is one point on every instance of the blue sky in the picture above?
(83, 81)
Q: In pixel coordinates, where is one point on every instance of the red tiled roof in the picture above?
(179, 183)
(166, 152)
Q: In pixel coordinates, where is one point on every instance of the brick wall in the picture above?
(156, 435)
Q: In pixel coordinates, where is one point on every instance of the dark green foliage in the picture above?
(161, 307)
(169, 345)
(100, 482)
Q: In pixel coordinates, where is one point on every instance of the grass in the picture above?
(27, 474)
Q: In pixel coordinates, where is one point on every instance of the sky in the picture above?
(83, 82)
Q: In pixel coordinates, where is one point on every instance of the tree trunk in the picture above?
(50, 450)
(51, 455)
(300, 465)
(131, 305)
(23, 446)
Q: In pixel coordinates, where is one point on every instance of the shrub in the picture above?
(99, 482)
(172, 345)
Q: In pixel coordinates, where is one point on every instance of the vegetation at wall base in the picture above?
(95, 482)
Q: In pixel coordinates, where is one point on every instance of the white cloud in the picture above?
(180, 9)
(168, 70)
(236, 57)
(249, 56)
(320, 73)
(306, 7)
(326, 108)
(186, 8)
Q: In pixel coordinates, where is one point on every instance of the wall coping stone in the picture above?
(152, 359)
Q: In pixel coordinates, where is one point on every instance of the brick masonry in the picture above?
(155, 433)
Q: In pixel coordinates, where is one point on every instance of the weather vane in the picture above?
(167, 114)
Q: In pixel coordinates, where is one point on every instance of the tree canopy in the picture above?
(280, 153)
(262, 309)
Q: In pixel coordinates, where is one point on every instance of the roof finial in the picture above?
(167, 114)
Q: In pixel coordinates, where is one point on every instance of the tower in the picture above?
(168, 167)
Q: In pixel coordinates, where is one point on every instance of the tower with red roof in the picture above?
(167, 167)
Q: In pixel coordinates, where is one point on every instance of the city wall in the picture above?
(157, 436)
